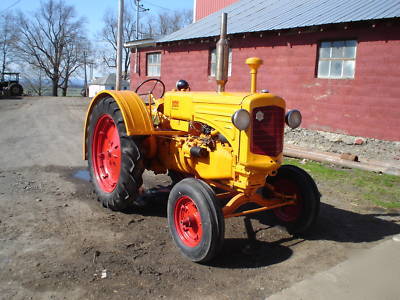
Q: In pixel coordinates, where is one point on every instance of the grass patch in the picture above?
(378, 189)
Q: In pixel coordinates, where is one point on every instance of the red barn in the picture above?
(203, 8)
(336, 61)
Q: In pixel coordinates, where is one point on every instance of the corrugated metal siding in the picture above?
(207, 7)
(263, 15)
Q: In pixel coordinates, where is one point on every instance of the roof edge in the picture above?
(141, 43)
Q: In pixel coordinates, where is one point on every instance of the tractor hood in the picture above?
(190, 106)
(214, 109)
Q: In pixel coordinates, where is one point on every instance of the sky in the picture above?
(94, 10)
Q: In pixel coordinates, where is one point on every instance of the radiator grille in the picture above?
(267, 130)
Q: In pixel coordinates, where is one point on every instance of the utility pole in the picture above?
(137, 18)
(84, 63)
(139, 8)
(119, 45)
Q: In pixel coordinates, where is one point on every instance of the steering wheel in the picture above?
(145, 85)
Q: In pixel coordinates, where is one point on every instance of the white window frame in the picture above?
(337, 59)
(213, 62)
(153, 64)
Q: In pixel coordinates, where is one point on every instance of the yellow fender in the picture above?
(134, 112)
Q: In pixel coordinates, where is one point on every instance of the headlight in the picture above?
(241, 119)
(293, 118)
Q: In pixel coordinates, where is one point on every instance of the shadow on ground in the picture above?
(334, 224)
(11, 98)
(343, 226)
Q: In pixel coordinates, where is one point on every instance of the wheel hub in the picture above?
(106, 153)
(188, 221)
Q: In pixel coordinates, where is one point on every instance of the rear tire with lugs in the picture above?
(115, 161)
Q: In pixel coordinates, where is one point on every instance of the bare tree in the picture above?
(109, 34)
(8, 38)
(169, 22)
(46, 36)
(161, 24)
(73, 59)
(35, 83)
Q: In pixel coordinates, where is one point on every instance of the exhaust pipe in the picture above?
(221, 75)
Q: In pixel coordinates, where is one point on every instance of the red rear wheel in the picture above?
(106, 151)
(188, 221)
(115, 160)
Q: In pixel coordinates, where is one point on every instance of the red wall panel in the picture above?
(368, 105)
(206, 7)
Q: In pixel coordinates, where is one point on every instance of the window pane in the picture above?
(213, 69)
(153, 64)
(230, 63)
(350, 49)
(323, 68)
(213, 62)
(336, 68)
(337, 59)
(348, 69)
(325, 50)
(213, 56)
(337, 49)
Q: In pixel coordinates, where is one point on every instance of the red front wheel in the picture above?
(195, 220)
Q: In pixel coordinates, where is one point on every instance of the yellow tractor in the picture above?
(223, 150)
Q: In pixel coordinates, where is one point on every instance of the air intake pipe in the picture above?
(222, 56)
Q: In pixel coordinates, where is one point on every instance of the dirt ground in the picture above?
(57, 242)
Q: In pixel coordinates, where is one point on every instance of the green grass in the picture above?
(371, 188)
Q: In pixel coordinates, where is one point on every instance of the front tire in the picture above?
(195, 220)
(301, 217)
(115, 161)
